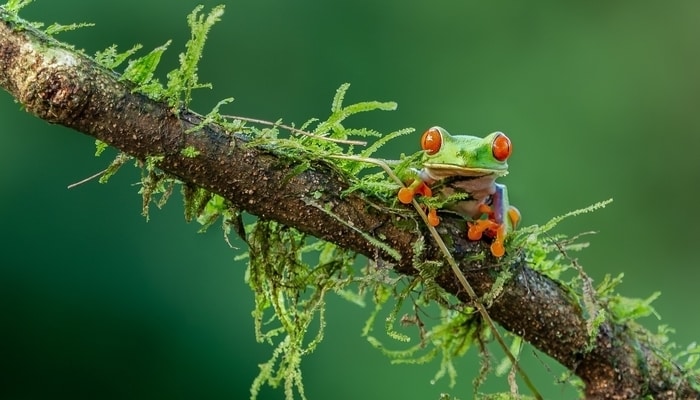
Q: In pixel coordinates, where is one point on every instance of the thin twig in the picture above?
(299, 131)
(89, 178)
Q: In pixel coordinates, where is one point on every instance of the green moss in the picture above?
(114, 166)
(110, 59)
(182, 81)
(190, 152)
(13, 6)
(100, 147)
(140, 71)
(55, 28)
(290, 297)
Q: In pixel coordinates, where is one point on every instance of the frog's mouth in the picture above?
(442, 171)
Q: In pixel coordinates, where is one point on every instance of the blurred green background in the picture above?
(599, 98)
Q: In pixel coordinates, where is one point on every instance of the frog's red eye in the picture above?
(431, 141)
(501, 147)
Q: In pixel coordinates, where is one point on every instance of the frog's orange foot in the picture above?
(406, 194)
(418, 187)
(492, 229)
(477, 228)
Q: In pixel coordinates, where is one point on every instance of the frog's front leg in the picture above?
(407, 193)
(501, 218)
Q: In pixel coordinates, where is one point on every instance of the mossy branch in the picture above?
(64, 87)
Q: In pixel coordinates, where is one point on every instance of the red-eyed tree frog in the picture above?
(467, 164)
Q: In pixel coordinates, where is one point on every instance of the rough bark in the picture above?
(64, 87)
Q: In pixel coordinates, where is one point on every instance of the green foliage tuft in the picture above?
(196, 200)
(183, 80)
(454, 334)
(154, 182)
(290, 297)
(623, 309)
(100, 147)
(533, 232)
(377, 184)
(503, 277)
(333, 126)
(54, 29)
(215, 117)
(688, 360)
(190, 152)
(141, 70)
(110, 59)
(231, 217)
(550, 256)
(457, 329)
(384, 140)
(114, 166)
(13, 6)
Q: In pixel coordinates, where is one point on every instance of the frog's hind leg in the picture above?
(491, 228)
(495, 224)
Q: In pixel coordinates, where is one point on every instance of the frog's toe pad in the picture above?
(433, 219)
(405, 195)
(514, 216)
(474, 233)
(497, 248)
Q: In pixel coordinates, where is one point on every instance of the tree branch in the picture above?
(65, 87)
